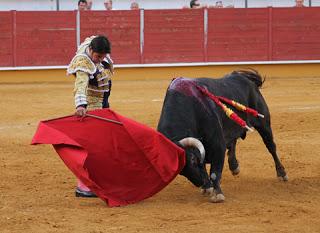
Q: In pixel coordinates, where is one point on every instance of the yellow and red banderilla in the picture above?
(241, 107)
(231, 114)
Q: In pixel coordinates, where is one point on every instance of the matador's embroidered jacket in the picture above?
(93, 81)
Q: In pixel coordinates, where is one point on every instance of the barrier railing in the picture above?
(50, 38)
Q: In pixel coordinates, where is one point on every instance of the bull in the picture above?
(195, 122)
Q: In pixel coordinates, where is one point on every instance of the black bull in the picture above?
(187, 113)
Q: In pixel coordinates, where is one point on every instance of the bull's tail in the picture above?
(252, 75)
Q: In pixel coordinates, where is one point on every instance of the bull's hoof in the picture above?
(217, 198)
(283, 178)
(207, 192)
(236, 171)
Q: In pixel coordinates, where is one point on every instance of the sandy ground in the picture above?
(37, 190)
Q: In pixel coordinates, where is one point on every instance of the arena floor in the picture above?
(37, 190)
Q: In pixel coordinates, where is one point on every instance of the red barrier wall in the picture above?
(45, 38)
(238, 35)
(7, 39)
(173, 36)
(169, 36)
(296, 34)
(122, 29)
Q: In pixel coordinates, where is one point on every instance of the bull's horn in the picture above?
(195, 143)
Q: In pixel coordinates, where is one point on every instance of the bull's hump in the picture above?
(186, 86)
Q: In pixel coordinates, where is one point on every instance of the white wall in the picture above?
(146, 4)
(23, 5)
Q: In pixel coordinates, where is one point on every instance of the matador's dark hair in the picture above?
(100, 44)
(193, 3)
(83, 1)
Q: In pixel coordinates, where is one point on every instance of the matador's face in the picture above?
(96, 57)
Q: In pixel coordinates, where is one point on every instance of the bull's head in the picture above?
(195, 170)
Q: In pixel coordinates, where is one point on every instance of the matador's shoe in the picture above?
(81, 193)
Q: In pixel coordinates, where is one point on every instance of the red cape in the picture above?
(121, 163)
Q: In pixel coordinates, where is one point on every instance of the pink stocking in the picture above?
(82, 186)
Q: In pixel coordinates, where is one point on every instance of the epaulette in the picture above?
(81, 62)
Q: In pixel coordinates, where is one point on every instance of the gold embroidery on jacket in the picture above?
(81, 62)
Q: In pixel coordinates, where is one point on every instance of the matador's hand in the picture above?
(81, 111)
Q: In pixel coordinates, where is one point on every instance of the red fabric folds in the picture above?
(122, 163)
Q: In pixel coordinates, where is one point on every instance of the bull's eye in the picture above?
(194, 161)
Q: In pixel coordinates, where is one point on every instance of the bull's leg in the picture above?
(267, 137)
(232, 160)
(216, 173)
(207, 188)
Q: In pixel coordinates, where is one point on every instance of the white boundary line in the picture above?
(172, 65)
(303, 107)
